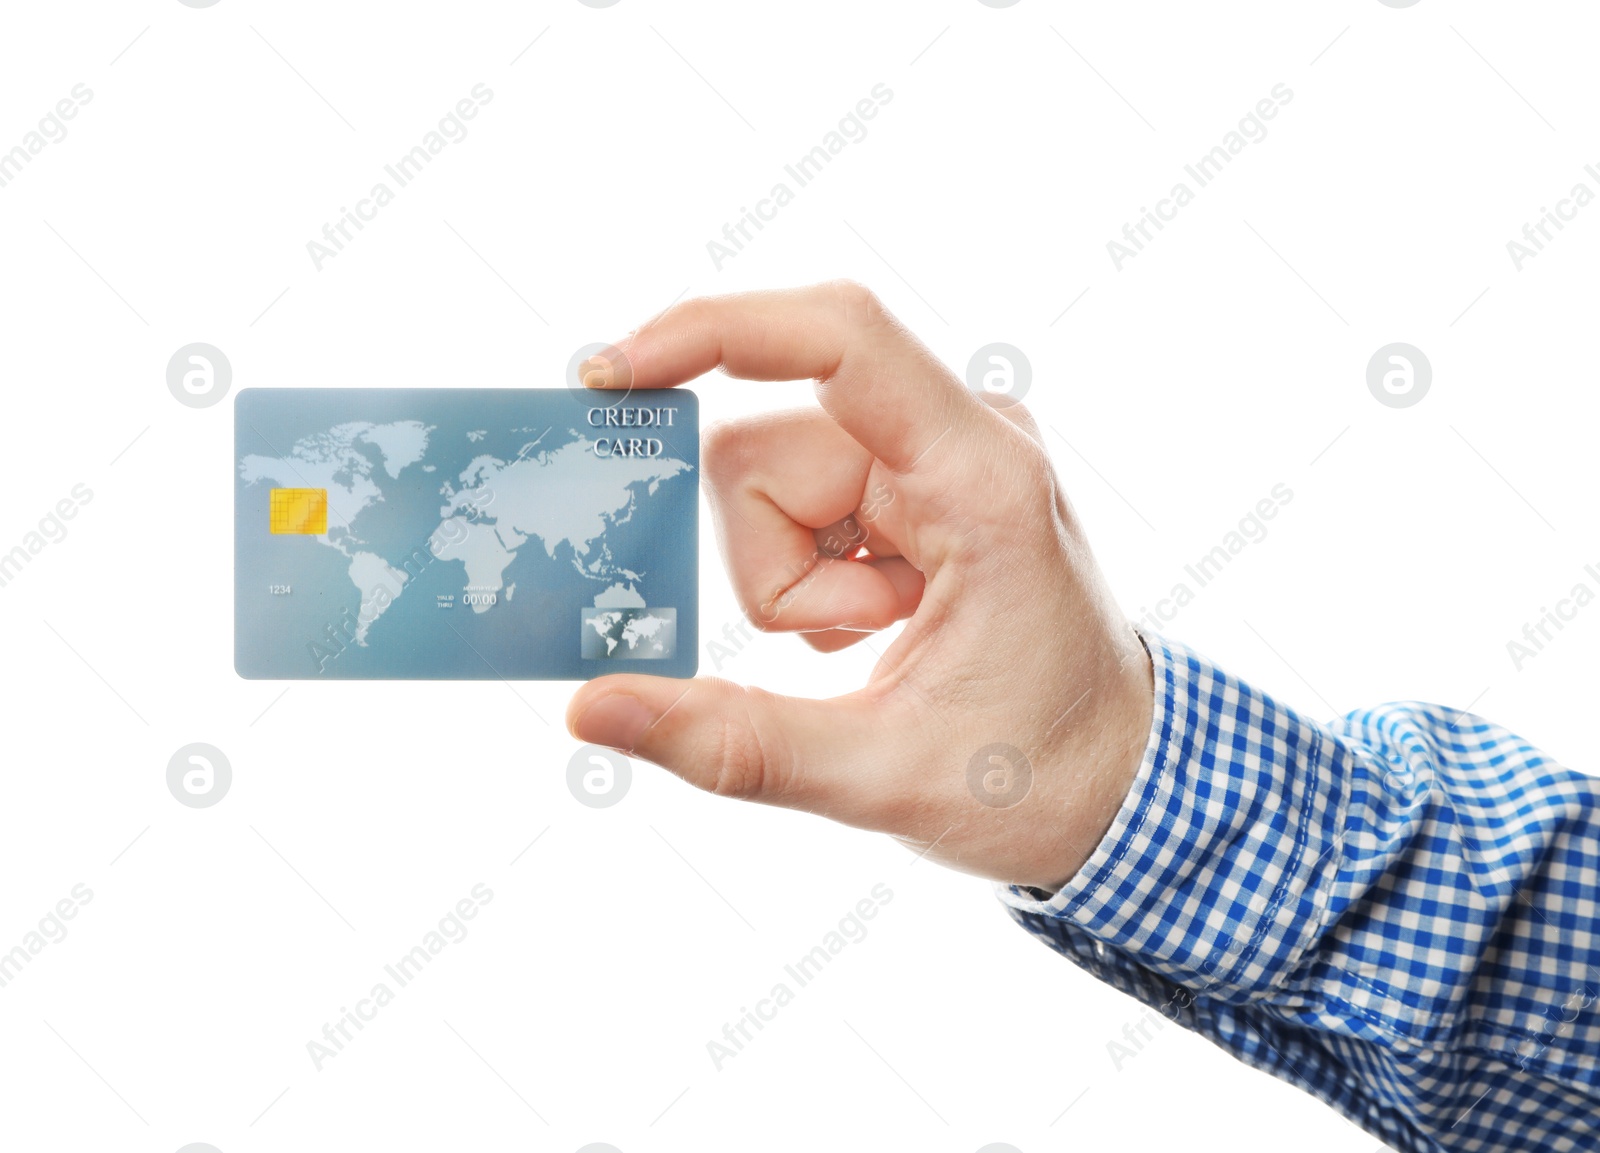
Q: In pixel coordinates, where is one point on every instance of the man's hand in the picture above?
(1006, 722)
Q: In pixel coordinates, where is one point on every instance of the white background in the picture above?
(1229, 357)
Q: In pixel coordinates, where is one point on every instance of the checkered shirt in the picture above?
(1398, 912)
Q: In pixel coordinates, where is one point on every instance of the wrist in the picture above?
(1107, 762)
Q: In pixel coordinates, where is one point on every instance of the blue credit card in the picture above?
(465, 533)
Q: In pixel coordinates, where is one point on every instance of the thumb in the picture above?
(740, 741)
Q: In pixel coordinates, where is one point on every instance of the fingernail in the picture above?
(616, 721)
(607, 369)
(595, 372)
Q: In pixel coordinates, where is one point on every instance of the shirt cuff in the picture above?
(1207, 875)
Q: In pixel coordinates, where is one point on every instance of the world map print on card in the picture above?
(464, 533)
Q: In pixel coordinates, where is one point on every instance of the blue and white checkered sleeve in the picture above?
(1399, 912)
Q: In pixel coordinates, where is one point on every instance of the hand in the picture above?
(1005, 724)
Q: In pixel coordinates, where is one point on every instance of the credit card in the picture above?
(465, 533)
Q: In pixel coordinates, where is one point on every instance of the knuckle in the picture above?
(1017, 413)
(689, 312)
(725, 447)
(1033, 460)
(861, 305)
(739, 763)
(1030, 475)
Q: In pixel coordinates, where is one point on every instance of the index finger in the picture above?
(873, 377)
